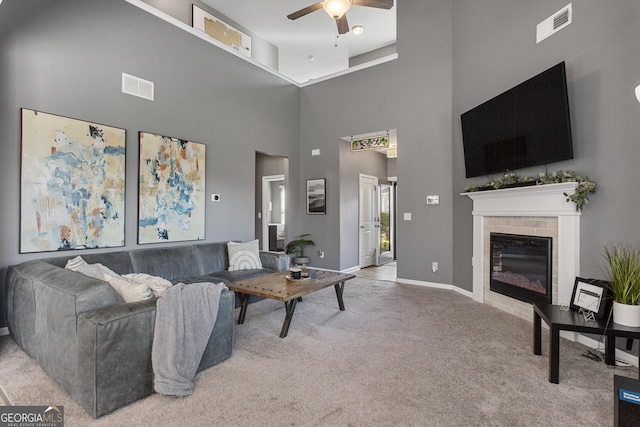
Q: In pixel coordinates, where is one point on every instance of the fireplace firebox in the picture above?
(521, 267)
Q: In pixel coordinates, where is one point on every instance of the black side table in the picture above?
(560, 320)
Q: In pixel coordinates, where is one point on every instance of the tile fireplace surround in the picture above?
(539, 210)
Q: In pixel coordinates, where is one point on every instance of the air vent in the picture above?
(554, 23)
(136, 86)
(561, 18)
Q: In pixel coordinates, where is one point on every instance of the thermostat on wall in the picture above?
(433, 200)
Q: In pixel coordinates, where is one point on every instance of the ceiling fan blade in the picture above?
(307, 10)
(380, 4)
(343, 25)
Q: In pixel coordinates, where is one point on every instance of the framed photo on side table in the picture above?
(591, 295)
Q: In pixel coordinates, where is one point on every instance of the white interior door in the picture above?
(369, 220)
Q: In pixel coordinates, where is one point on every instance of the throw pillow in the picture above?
(128, 290)
(244, 256)
(75, 263)
(91, 270)
(158, 285)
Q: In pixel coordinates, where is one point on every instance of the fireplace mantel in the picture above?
(534, 201)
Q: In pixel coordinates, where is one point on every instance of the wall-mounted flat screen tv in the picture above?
(527, 125)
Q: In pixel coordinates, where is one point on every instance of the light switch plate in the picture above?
(407, 216)
(433, 199)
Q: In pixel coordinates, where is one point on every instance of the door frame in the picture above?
(376, 221)
(266, 199)
(392, 219)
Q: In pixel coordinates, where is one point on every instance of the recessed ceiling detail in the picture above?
(314, 34)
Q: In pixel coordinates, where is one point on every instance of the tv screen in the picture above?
(527, 125)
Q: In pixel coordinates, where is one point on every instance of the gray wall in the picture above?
(494, 49)
(66, 57)
(412, 94)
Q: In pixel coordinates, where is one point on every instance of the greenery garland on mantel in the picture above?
(580, 197)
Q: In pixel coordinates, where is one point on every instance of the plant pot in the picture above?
(300, 260)
(625, 314)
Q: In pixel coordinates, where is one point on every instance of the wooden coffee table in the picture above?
(276, 286)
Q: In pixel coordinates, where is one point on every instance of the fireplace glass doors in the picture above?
(521, 267)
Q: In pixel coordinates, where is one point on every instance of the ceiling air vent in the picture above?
(554, 23)
(136, 86)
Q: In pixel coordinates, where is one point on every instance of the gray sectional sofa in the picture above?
(92, 343)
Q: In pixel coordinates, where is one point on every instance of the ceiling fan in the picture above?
(337, 10)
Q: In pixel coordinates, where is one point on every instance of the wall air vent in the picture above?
(554, 23)
(136, 86)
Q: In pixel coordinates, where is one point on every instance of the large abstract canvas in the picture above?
(72, 184)
(171, 204)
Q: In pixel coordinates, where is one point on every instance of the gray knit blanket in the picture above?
(185, 317)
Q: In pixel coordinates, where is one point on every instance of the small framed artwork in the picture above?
(316, 196)
(591, 295)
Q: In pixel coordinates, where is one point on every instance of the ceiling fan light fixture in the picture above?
(357, 30)
(336, 8)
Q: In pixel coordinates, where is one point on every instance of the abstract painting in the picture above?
(316, 197)
(171, 205)
(72, 184)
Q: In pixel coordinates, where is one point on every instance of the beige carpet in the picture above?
(399, 355)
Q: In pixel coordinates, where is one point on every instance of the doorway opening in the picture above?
(271, 201)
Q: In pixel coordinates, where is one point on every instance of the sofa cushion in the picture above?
(212, 256)
(116, 261)
(171, 262)
(244, 256)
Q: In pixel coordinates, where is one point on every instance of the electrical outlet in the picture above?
(434, 266)
(321, 254)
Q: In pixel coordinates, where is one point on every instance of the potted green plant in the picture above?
(296, 247)
(624, 270)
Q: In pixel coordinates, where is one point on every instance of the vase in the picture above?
(625, 314)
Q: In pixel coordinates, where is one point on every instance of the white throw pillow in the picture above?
(158, 285)
(75, 263)
(128, 290)
(91, 270)
(244, 256)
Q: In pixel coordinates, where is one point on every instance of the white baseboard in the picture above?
(4, 331)
(351, 270)
(435, 285)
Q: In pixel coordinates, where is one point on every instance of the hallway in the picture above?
(384, 272)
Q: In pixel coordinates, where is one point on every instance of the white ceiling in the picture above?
(311, 36)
